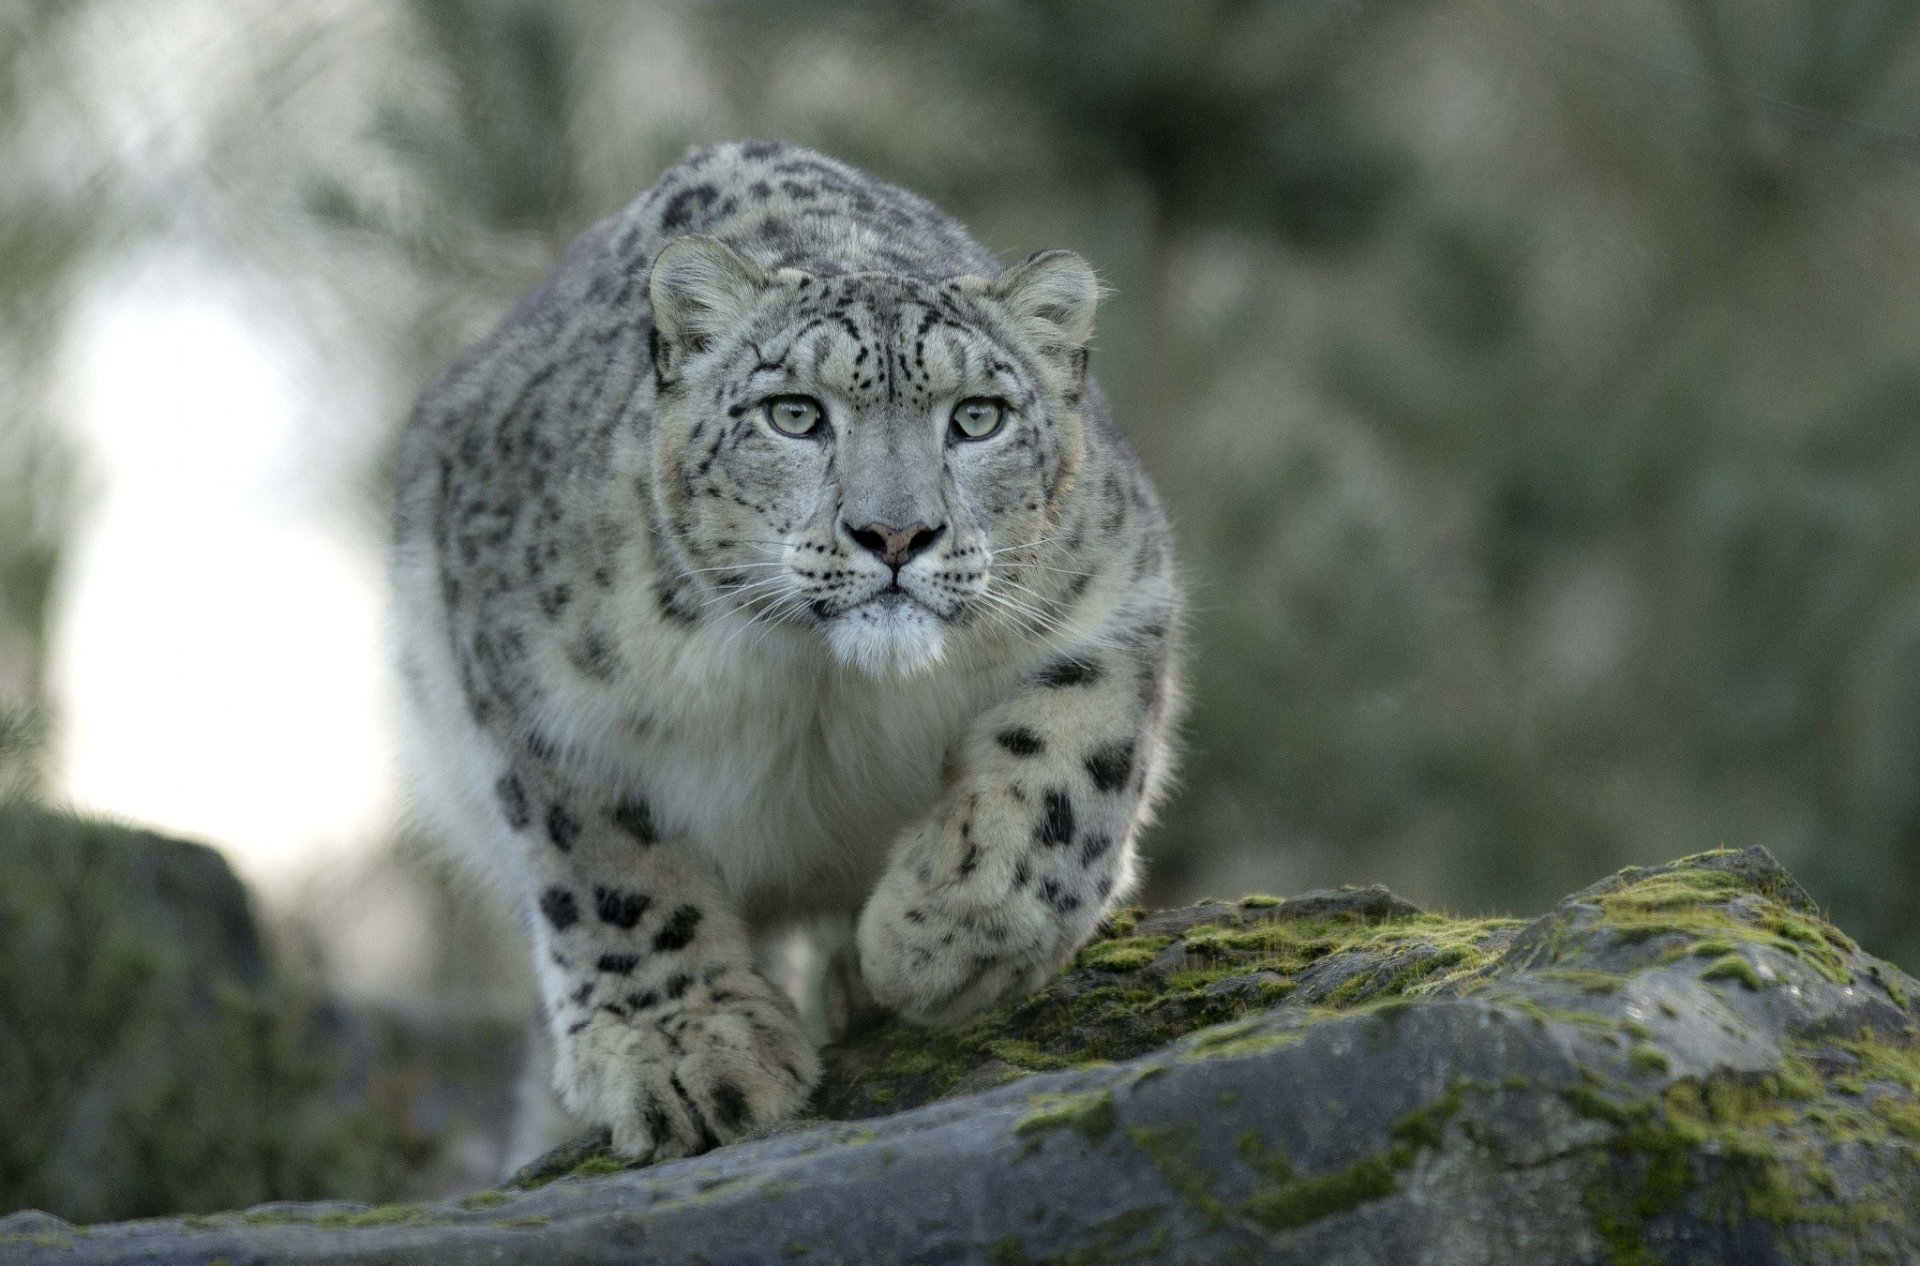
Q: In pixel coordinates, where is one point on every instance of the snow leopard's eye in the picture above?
(795, 415)
(977, 417)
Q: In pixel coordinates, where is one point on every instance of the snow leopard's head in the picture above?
(877, 456)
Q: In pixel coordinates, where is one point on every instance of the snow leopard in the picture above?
(777, 564)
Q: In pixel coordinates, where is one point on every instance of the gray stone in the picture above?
(1681, 1064)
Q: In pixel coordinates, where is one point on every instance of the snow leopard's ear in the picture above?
(1052, 297)
(700, 288)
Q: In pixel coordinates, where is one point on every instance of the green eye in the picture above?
(977, 418)
(794, 415)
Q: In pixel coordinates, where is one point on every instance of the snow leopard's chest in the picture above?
(790, 774)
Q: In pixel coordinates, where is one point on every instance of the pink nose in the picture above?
(895, 546)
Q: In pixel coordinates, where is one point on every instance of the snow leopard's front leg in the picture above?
(663, 1032)
(1033, 842)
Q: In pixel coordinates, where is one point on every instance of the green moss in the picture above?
(1132, 993)
(1299, 1201)
(1689, 902)
(1594, 1104)
(1425, 1127)
(1031, 1057)
(36, 1239)
(1116, 1240)
(1259, 901)
(1885, 1086)
(1198, 980)
(939, 1058)
(1239, 1038)
(1679, 887)
(1172, 1153)
(1621, 1208)
(342, 1219)
(1880, 1060)
(920, 1053)
(595, 1166)
(1748, 1146)
(1090, 1112)
(1734, 967)
(1647, 1058)
(1591, 1023)
(1423, 970)
(1285, 1199)
(1597, 982)
(1894, 991)
(485, 1199)
(1422, 951)
(1126, 953)
(1082, 1029)
(528, 1223)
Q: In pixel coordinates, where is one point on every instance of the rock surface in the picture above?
(1679, 1064)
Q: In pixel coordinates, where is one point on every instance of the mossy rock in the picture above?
(1150, 979)
(150, 1062)
(1339, 1078)
(1145, 981)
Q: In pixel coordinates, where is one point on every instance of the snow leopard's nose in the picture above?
(895, 546)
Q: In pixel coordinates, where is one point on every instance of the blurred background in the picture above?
(1535, 386)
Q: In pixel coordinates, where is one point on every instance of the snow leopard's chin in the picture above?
(891, 636)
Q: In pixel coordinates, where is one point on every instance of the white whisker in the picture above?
(1064, 571)
(748, 593)
(700, 571)
(1007, 549)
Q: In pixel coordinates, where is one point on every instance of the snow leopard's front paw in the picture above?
(680, 1079)
(938, 955)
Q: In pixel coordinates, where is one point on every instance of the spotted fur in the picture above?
(679, 680)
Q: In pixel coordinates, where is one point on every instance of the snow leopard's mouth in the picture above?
(893, 606)
(893, 601)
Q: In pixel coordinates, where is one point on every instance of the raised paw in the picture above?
(937, 956)
(690, 1075)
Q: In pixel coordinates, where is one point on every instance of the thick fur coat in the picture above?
(777, 563)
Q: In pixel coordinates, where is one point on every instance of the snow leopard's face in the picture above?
(875, 456)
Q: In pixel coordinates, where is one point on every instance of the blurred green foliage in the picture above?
(1535, 384)
(48, 230)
